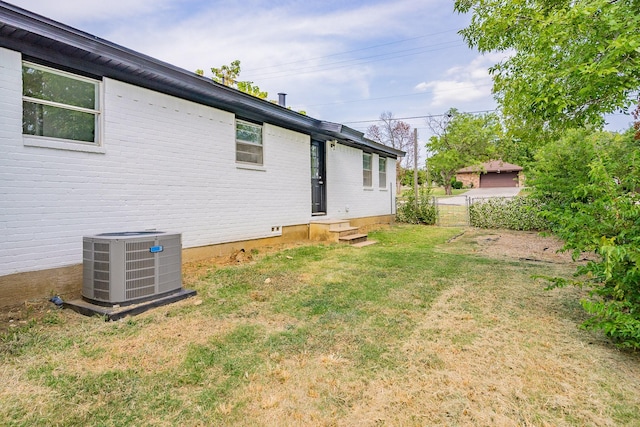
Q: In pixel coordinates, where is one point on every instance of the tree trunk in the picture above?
(446, 179)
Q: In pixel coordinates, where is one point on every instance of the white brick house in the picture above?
(97, 138)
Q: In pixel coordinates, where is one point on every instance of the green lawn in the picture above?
(439, 192)
(411, 331)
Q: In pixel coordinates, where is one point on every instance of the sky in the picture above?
(344, 61)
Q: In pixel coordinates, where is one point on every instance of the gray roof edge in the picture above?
(48, 28)
(381, 147)
(347, 134)
(182, 79)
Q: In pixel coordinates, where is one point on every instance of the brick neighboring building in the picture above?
(492, 174)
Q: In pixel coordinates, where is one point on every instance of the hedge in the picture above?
(518, 213)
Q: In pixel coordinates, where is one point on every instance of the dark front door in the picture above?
(318, 193)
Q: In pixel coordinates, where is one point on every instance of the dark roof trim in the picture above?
(492, 166)
(43, 40)
(356, 138)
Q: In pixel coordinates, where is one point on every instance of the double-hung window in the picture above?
(382, 172)
(249, 147)
(367, 179)
(60, 105)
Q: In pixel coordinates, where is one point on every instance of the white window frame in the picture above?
(367, 174)
(260, 161)
(63, 143)
(382, 172)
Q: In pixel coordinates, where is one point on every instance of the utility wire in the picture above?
(352, 62)
(358, 61)
(355, 50)
(426, 92)
(428, 116)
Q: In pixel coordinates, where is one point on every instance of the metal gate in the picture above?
(452, 215)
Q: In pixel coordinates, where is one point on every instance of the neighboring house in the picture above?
(96, 138)
(495, 173)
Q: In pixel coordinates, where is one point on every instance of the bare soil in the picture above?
(35, 311)
(515, 245)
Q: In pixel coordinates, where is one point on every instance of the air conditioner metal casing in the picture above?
(129, 267)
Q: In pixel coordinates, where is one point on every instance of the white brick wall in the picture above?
(168, 164)
(346, 196)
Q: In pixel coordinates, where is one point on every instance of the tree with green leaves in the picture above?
(460, 140)
(589, 181)
(568, 62)
(228, 75)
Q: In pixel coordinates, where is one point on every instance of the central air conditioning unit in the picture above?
(131, 267)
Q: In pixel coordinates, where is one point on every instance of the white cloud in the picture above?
(462, 83)
(281, 48)
(75, 11)
(291, 46)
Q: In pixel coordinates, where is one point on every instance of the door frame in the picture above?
(318, 178)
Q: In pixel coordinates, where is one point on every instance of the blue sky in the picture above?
(342, 61)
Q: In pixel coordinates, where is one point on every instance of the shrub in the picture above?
(590, 181)
(424, 212)
(613, 280)
(519, 213)
(456, 184)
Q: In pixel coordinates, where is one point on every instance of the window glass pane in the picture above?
(53, 87)
(249, 132)
(382, 172)
(44, 120)
(366, 179)
(366, 161)
(248, 153)
(315, 162)
(366, 170)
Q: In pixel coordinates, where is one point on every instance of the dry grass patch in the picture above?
(421, 329)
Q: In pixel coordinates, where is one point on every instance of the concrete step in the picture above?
(353, 238)
(363, 244)
(333, 223)
(344, 231)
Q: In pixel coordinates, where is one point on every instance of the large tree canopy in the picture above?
(569, 61)
(460, 140)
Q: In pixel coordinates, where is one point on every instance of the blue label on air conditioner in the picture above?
(156, 249)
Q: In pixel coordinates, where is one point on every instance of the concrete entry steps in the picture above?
(353, 238)
(339, 231)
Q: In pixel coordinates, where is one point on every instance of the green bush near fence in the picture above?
(422, 212)
(519, 213)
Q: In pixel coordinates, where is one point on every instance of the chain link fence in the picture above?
(452, 214)
(449, 211)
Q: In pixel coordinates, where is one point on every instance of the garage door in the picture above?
(504, 179)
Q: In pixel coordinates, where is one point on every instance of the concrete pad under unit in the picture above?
(117, 312)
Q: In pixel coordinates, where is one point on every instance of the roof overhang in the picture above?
(354, 138)
(51, 43)
(492, 166)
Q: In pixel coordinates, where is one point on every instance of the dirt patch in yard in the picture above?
(518, 245)
(44, 311)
